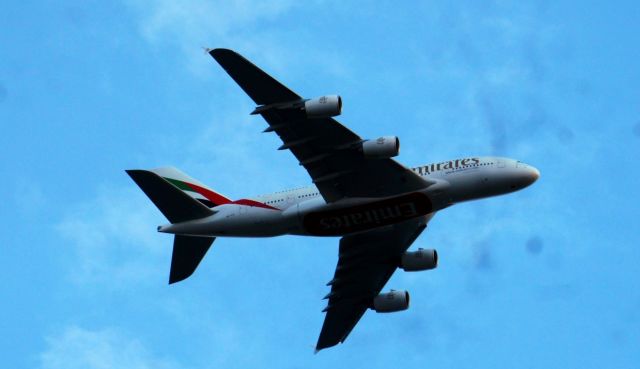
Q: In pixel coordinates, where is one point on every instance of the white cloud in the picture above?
(79, 348)
(113, 238)
(251, 27)
(195, 19)
(193, 24)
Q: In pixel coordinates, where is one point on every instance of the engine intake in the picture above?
(391, 301)
(423, 259)
(381, 148)
(323, 107)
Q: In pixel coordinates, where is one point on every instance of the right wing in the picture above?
(366, 262)
(325, 148)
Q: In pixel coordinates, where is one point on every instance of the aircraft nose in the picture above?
(524, 176)
(532, 175)
(535, 174)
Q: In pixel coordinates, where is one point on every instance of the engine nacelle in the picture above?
(391, 301)
(381, 148)
(323, 107)
(423, 259)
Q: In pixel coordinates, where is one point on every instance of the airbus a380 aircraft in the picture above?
(376, 205)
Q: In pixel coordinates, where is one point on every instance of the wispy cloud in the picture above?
(198, 19)
(112, 238)
(192, 24)
(249, 26)
(80, 348)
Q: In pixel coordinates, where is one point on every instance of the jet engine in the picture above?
(391, 301)
(323, 107)
(381, 148)
(423, 259)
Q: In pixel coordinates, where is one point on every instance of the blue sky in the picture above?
(544, 278)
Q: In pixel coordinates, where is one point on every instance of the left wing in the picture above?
(325, 148)
(366, 262)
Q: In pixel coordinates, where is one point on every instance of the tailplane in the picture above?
(188, 251)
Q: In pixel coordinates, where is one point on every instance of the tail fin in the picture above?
(191, 187)
(175, 204)
(165, 187)
(188, 251)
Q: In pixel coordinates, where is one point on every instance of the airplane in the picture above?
(359, 193)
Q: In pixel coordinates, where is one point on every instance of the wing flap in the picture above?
(330, 153)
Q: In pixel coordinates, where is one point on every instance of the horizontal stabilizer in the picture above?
(260, 86)
(188, 251)
(176, 205)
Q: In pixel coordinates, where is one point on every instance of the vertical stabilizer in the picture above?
(191, 186)
(172, 202)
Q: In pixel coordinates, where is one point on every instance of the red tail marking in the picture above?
(215, 198)
(254, 203)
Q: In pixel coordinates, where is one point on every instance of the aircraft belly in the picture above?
(237, 221)
(343, 220)
(253, 221)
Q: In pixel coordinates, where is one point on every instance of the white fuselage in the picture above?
(303, 211)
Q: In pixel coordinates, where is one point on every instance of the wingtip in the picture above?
(178, 278)
(131, 172)
(317, 349)
(219, 52)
